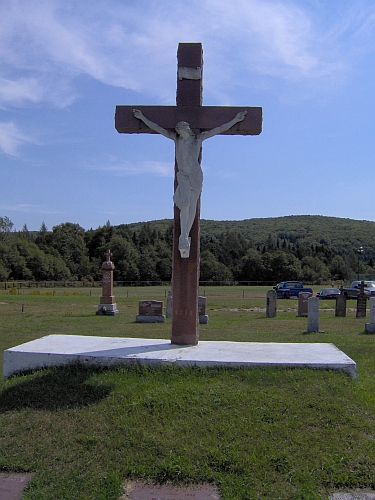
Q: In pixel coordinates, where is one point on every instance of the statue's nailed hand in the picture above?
(241, 116)
(137, 113)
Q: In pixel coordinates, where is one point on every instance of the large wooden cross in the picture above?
(185, 271)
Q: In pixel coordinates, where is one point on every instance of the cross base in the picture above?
(185, 285)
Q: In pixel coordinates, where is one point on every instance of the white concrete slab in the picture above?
(55, 350)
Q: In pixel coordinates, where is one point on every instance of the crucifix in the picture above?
(188, 124)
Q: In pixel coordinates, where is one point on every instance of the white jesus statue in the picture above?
(189, 176)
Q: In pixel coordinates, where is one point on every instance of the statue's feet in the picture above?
(184, 247)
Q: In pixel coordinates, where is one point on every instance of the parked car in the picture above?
(288, 289)
(352, 291)
(328, 293)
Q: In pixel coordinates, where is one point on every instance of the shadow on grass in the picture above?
(53, 389)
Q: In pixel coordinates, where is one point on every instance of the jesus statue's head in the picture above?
(183, 128)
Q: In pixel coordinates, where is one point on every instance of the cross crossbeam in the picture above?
(200, 118)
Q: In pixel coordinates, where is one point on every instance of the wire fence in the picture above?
(5, 285)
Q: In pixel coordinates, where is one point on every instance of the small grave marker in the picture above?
(271, 304)
(202, 302)
(139, 491)
(150, 311)
(361, 306)
(12, 485)
(313, 314)
(340, 309)
(370, 327)
(303, 298)
(354, 495)
(361, 302)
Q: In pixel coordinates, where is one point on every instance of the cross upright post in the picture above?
(185, 272)
(203, 122)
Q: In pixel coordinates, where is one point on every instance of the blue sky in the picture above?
(65, 65)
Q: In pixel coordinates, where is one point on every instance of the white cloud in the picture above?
(45, 44)
(121, 169)
(21, 90)
(12, 139)
(27, 208)
(278, 39)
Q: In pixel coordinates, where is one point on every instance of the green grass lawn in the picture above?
(254, 433)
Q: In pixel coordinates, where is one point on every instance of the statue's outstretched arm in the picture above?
(223, 128)
(153, 126)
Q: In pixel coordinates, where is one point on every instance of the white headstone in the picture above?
(370, 327)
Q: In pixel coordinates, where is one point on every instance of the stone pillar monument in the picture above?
(107, 304)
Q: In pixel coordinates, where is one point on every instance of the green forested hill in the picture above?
(311, 248)
(343, 236)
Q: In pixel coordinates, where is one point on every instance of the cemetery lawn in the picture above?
(254, 433)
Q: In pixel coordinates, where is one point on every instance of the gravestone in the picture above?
(354, 495)
(340, 309)
(12, 485)
(370, 327)
(140, 491)
(203, 318)
(169, 305)
(150, 311)
(271, 304)
(313, 314)
(303, 298)
(107, 304)
(361, 302)
(176, 122)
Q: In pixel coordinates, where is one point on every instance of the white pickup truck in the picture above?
(352, 291)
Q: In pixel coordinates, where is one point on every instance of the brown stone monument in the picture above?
(201, 119)
(107, 304)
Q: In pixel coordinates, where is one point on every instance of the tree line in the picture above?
(143, 252)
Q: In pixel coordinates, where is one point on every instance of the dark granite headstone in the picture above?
(361, 306)
(150, 311)
(340, 309)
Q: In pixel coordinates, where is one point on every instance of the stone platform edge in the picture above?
(59, 350)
